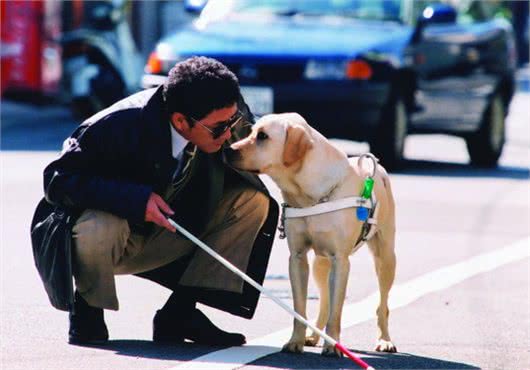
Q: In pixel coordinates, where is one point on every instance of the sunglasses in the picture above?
(221, 127)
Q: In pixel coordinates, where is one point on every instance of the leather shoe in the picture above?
(195, 327)
(87, 324)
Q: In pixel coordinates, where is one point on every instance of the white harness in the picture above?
(369, 226)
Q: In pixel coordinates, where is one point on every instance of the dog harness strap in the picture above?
(370, 226)
(367, 201)
(331, 206)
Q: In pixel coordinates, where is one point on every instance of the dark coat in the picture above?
(114, 160)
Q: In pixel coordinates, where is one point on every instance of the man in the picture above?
(155, 154)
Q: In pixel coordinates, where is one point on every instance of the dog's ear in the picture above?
(297, 143)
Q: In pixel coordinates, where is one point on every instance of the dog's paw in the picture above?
(312, 340)
(293, 347)
(385, 346)
(331, 351)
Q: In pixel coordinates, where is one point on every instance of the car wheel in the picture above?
(388, 142)
(107, 87)
(485, 145)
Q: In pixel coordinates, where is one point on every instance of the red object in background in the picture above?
(30, 58)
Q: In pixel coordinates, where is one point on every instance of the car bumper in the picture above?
(345, 109)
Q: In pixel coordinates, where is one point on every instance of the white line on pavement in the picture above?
(364, 310)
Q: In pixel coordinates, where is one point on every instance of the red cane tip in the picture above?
(353, 357)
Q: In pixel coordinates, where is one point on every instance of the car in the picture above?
(365, 70)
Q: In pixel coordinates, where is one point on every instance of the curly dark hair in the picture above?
(199, 85)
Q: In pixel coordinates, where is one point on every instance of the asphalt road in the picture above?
(460, 301)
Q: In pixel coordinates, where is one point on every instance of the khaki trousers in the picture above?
(105, 246)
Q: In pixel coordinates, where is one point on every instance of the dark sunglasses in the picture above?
(221, 127)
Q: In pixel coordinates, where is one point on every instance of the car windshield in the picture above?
(363, 9)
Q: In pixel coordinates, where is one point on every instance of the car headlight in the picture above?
(338, 70)
(154, 64)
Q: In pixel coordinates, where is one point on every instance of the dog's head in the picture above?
(278, 143)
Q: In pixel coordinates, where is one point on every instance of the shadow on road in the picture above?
(448, 169)
(31, 128)
(36, 137)
(149, 349)
(375, 359)
(309, 360)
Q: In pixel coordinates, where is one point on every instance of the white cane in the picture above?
(249, 280)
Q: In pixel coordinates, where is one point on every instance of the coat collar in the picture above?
(157, 134)
(157, 130)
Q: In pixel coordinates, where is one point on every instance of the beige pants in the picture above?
(104, 247)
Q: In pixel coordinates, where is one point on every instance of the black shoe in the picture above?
(87, 325)
(168, 328)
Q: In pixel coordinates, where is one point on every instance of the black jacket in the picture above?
(115, 159)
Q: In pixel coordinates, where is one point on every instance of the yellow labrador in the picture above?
(308, 168)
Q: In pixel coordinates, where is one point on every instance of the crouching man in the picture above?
(154, 154)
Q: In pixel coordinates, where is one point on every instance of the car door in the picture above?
(457, 67)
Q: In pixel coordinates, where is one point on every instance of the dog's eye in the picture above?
(262, 136)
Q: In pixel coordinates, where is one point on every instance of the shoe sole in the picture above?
(84, 342)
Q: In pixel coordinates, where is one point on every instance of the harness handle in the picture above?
(374, 162)
(362, 212)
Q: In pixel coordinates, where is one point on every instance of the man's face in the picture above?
(199, 132)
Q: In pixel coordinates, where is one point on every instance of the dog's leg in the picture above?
(382, 247)
(298, 274)
(321, 267)
(338, 280)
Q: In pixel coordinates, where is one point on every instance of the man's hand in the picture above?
(156, 210)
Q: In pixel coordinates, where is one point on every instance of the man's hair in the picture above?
(197, 86)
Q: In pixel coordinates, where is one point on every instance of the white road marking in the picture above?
(364, 310)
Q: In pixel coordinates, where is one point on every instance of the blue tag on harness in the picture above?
(362, 213)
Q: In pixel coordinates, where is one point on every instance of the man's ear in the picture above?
(297, 143)
(179, 121)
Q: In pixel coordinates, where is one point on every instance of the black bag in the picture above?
(51, 238)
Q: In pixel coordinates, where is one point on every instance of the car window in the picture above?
(469, 11)
(364, 9)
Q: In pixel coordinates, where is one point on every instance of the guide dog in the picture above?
(309, 170)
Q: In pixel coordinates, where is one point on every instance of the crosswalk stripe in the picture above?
(401, 295)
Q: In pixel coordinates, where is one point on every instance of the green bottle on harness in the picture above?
(363, 212)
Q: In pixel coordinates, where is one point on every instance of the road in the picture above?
(460, 301)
